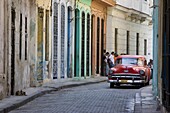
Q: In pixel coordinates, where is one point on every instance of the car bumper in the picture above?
(126, 79)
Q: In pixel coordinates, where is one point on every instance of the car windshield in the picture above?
(129, 61)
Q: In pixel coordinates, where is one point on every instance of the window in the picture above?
(26, 36)
(98, 45)
(62, 39)
(47, 36)
(88, 45)
(55, 42)
(145, 47)
(20, 39)
(116, 33)
(127, 43)
(137, 43)
(83, 44)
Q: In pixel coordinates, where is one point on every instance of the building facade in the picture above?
(40, 42)
(129, 28)
(164, 55)
(25, 44)
(98, 33)
(82, 38)
(63, 33)
(3, 50)
(15, 67)
(155, 46)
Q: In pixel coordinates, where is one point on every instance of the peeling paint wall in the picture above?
(3, 77)
(43, 64)
(21, 56)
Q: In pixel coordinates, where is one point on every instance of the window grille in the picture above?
(62, 39)
(55, 42)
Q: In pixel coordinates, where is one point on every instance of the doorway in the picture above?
(98, 45)
(76, 44)
(69, 44)
(83, 44)
(12, 50)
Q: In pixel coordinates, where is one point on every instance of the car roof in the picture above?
(130, 56)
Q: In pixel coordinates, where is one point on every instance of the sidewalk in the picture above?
(145, 101)
(14, 102)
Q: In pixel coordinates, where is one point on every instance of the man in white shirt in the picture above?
(111, 57)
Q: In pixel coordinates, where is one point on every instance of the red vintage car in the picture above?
(129, 69)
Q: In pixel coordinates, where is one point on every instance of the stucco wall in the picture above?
(3, 77)
(2, 37)
(99, 9)
(138, 5)
(22, 69)
(117, 19)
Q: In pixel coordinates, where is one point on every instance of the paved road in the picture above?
(95, 98)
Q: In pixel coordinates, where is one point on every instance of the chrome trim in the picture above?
(128, 81)
(125, 74)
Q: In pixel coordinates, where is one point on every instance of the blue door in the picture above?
(69, 43)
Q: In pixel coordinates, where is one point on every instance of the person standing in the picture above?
(150, 64)
(106, 62)
(112, 58)
(103, 65)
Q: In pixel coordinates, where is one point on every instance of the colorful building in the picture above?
(40, 41)
(82, 38)
(98, 33)
(63, 33)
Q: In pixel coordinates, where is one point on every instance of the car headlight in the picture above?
(141, 72)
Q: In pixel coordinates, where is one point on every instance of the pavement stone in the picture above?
(144, 101)
(13, 102)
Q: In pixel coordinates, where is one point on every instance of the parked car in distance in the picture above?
(129, 69)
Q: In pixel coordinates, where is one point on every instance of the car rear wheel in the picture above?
(111, 85)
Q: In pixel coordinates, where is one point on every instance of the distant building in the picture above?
(129, 28)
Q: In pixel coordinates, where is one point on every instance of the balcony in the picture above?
(109, 3)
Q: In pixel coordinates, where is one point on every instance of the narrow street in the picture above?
(96, 98)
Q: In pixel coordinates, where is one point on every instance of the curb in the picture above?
(41, 93)
(138, 103)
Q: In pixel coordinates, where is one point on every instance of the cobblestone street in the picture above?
(96, 98)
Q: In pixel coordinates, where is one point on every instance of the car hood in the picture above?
(127, 69)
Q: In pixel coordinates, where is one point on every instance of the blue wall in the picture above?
(155, 48)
